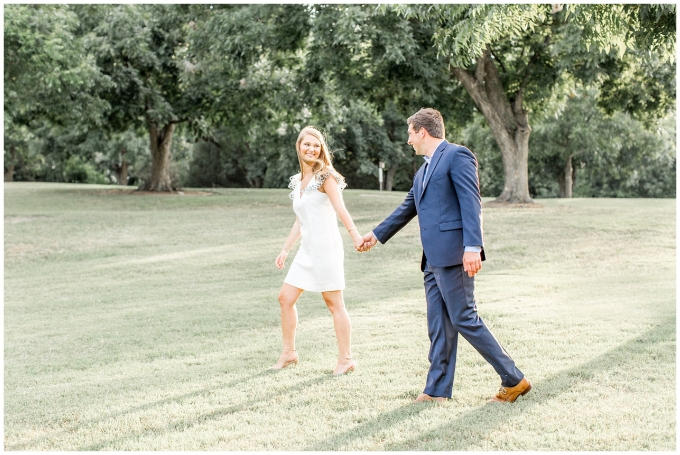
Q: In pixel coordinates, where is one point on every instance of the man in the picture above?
(445, 196)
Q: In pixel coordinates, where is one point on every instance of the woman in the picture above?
(318, 265)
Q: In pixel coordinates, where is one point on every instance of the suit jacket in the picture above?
(448, 205)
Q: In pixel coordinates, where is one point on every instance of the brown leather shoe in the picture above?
(425, 397)
(510, 394)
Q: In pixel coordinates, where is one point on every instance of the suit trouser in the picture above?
(451, 309)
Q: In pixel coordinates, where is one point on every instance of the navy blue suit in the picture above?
(449, 210)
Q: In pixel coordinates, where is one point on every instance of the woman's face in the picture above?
(310, 148)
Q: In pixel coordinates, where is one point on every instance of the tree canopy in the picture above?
(510, 58)
(225, 89)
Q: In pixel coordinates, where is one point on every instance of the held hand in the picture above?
(357, 240)
(281, 259)
(369, 242)
(472, 262)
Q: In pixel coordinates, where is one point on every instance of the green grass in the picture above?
(140, 322)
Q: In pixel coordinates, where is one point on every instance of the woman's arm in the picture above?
(288, 244)
(330, 187)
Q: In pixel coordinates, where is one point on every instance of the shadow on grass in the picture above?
(184, 425)
(31, 443)
(385, 421)
(482, 419)
(487, 417)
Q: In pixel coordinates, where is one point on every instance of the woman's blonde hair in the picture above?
(324, 162)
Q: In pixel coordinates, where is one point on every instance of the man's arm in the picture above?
(466, 182)
(463, 174)
(393, 223)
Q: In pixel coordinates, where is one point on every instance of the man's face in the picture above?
(415, 139)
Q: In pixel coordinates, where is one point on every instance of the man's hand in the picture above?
(369, 242)
(472, 262)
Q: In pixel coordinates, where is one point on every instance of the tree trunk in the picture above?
(509, 124)
(9, 173)
(122, 169)
(255, 182)
(389, 177)
(9, 168)
(160, 158)
(568, 175)
(122, 175)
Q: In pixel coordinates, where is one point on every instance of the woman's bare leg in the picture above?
(288, 296)
(343, 329)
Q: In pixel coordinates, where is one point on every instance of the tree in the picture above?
(140, 49)
(249, 95)
(478, 138)
(378, 68)
(353, 71)
(570, 130)
(49, 77)
(579, 150)
(643, 165)
(88, 79)
(510, 57)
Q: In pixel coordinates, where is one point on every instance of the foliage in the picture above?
(357, 87)
(477, 137)
(92, 80)
(138, 48)
(511, 58)
(624, 27)
(628, 51)
(215, 164)
(645, 165)
(612, 156)
(382, 68)
(640, 85)
(574, 129)
(141, 48)
(519, 37)
(76, 170)
(48, 76)
(464, 31)
(250, 90)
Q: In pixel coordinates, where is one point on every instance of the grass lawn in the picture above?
(146, 322)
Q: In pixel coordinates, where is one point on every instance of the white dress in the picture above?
(319, 263)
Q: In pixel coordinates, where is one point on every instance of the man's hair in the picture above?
(430, 119)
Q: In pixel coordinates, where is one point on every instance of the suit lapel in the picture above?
(418, 185)
(433, 163)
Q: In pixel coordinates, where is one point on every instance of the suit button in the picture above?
(424, 229)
